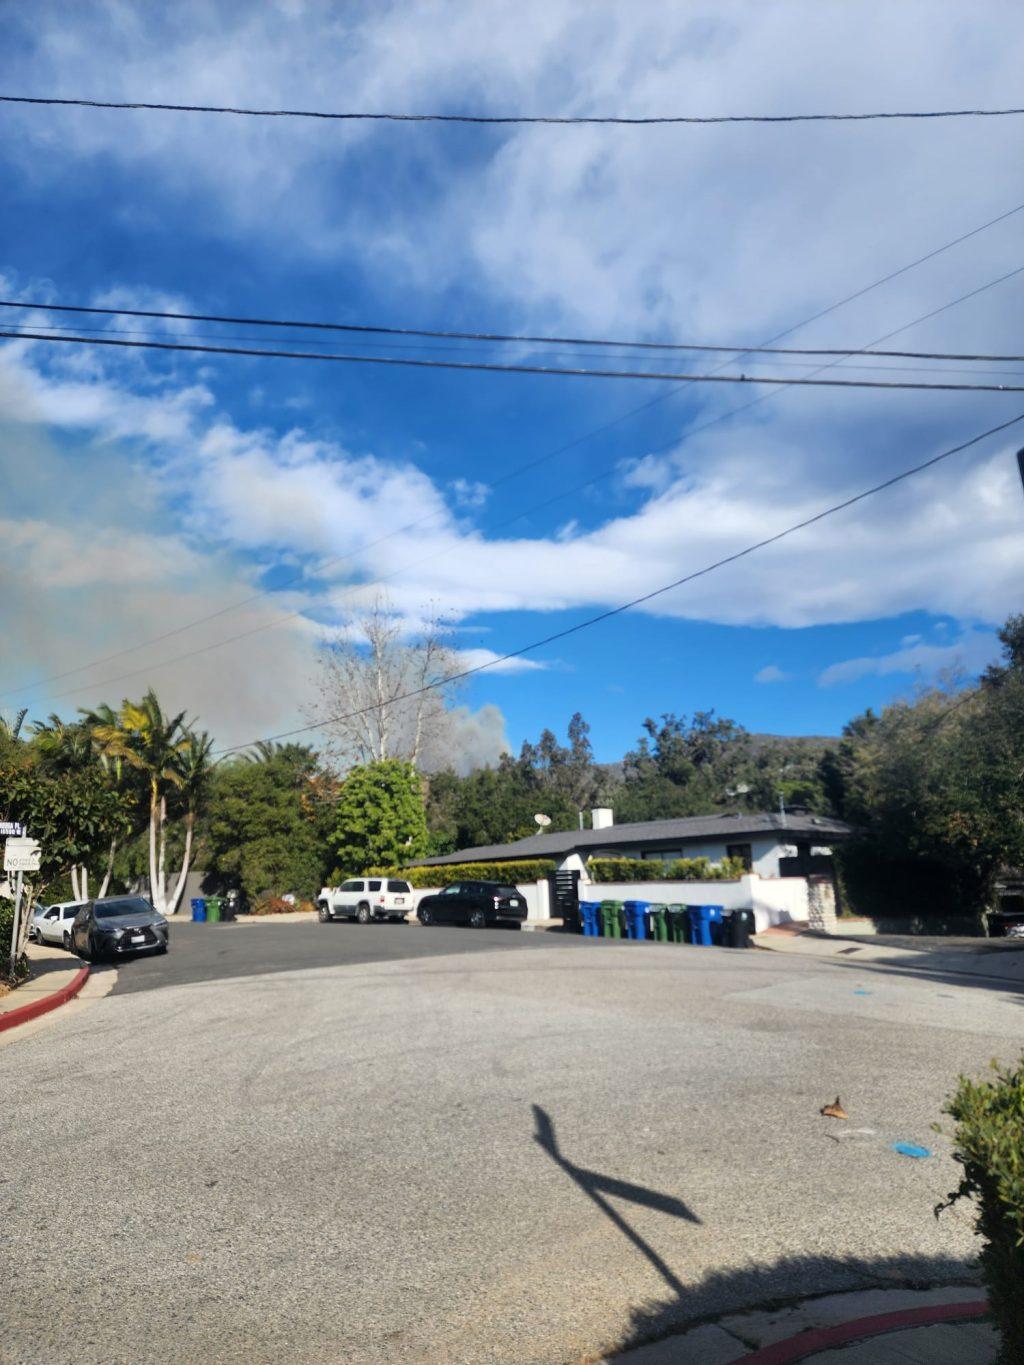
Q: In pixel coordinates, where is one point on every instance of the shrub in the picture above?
(680, 870)
(525, 871)
(6, 928)
(989, 1144)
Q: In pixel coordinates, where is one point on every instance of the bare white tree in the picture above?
(370, 689)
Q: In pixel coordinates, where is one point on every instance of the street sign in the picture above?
(22, 855)
(11, 829)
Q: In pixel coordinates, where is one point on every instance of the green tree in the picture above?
(380, 819)
(267, 821)
(936, 787)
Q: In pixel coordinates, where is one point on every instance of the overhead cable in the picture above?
(548, 371)
(747, 550)
(548, 455)
(499, 119)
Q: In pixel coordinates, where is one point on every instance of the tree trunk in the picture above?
(74, 882)
(104, 885)
(83, 882)
(162, 872)
(175, 901)
(154, 885)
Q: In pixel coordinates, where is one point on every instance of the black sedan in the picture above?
(474, 903)
(116, 926)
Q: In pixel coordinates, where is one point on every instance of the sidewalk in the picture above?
(868, 1327)
(982, 957)
(55, 977)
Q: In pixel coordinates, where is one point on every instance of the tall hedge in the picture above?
(989, 1144)
(525, 871)
(680, 870)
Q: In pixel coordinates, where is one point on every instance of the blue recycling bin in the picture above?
(199, 910)
(636, 918)
(702, 918)
(590, 912)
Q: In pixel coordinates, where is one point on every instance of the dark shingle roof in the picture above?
(649, 832)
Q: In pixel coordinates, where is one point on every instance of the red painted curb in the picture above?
(822, 1338)
(22, 1015)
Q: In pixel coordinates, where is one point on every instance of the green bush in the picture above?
(989, 1144)
(680, 870)
(6, 928)
(525, 871)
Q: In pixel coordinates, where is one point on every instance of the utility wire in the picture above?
(655, 592)
(346, 117)
(548, 371)
(578, 355)
(552, 454)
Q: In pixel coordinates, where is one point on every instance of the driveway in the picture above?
(502, 1147)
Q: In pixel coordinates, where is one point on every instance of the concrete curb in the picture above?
(22, 1014)
(843, 1334)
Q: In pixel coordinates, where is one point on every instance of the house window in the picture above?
(744, 852)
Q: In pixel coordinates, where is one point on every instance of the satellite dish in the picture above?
(543, 820)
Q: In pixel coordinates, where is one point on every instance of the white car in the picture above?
(52, 923)
(365, 899)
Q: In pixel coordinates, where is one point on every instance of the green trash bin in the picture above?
(611, 919)
(659, 929)
(213, 906)
(678, 925)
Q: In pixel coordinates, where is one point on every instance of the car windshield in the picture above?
(452, 890)
(130, 905)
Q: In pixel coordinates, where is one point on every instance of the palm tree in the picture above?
(153, 744)
(194, 769)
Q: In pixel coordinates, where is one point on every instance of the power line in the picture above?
(377, 329)
(532, 464)
(655, 592)
(610, 355)
(573, 372)
(558, 450)
(500, 119)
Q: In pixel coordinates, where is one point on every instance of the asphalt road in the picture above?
(212, 952)
(500, 1148)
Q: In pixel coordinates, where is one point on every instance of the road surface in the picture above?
(376, 1143)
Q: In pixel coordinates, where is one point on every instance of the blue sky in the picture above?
(141, 493)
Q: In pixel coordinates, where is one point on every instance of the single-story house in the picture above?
(793, 844)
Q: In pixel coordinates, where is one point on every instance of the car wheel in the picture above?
(323, 912)
(425, 914)
(68, 945)
(162, 949)
(363, 914)
(477, 919)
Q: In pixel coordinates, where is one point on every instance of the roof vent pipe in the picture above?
(601, 817)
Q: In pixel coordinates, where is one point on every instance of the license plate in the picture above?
(138, 938)
(399, 900)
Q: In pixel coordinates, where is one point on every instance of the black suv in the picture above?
(474, 903)
(118, 925)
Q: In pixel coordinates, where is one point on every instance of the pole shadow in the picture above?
(595, 1186)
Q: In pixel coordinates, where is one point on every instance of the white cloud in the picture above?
(478, 658)
(771, 673)
(967, 656)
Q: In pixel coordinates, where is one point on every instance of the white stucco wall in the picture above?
(774, 900)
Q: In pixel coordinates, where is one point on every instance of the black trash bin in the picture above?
(741, 928)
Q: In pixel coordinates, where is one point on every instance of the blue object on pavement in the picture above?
(701, 918)
(590, 912)
(636, 918)
(909, 1149)
(861, 991)
(199, 910)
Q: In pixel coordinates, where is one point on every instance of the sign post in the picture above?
(21, 855)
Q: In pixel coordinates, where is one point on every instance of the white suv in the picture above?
(365, 899)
